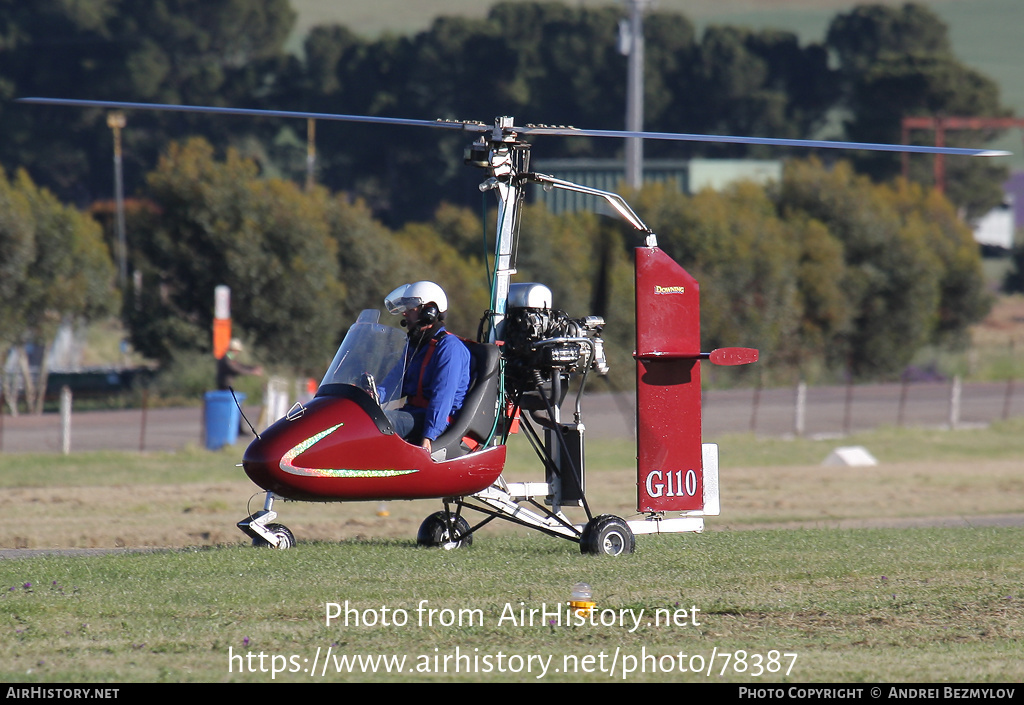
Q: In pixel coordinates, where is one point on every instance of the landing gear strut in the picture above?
(265, 534)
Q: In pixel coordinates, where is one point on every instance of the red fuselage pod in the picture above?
(342, 448)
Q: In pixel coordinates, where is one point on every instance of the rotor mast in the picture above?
(508, 161)
(505, 157)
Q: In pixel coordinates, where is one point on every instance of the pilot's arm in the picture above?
(445, 386)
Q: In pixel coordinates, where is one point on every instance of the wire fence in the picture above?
(841, 410)
(800, 411)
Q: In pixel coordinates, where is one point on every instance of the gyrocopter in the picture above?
(340, 446)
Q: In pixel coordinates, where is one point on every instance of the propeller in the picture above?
(504, 128)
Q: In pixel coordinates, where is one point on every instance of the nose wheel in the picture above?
(280, 532)
(263, 532)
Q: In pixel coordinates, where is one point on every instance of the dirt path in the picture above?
(82, 520)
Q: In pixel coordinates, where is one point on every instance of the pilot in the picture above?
(436, 364)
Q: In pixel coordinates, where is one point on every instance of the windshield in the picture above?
(371, 357)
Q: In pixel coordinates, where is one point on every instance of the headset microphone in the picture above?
(429, 315)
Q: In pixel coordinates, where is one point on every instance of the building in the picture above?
(686, 175)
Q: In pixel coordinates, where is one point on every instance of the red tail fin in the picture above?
(670, 473)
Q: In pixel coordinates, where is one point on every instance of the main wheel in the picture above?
(444, 530)
(285, 538)
(607, 535)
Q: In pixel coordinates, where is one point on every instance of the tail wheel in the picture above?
(284, 536)
(607, 535)
(444, 530)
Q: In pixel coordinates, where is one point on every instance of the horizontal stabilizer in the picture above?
(721, 356)
(733, 356)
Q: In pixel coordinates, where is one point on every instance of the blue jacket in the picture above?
(444, 380)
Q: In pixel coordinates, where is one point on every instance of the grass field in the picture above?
(924, 605)
(805, 578)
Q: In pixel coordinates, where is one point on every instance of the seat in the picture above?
(473, 424)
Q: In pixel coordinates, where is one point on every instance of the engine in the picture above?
(545, 339)
(541, 341)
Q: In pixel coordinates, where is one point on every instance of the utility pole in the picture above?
(631, 43)
(310, 154)
(116, 122)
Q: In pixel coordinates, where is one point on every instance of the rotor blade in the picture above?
(477, 127)
(776, 141)
(253, 112)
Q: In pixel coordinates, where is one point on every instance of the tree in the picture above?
(825, 272)
(55, 268)
(218, 223)
(734, 243)
(896, 62)
(826, 312)
(17, 252)
(541, 62)
(911, 274)
(368, 256)
(754, 83)
(963, 299)
(871, 33)
(427, 255)
(206, 52)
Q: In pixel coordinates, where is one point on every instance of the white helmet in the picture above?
(416, 294)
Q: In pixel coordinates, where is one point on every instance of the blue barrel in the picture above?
(221, 418)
